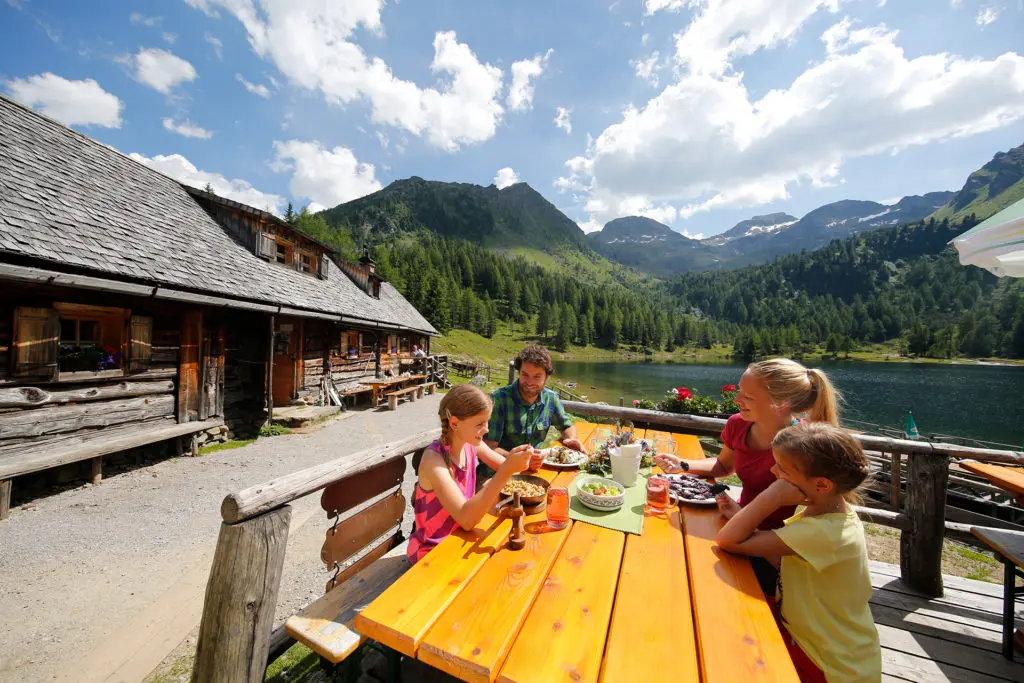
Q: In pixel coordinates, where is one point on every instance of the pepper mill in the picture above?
(517, 539)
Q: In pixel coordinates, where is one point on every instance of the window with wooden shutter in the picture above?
(324, 268)
(36, 342)
(267, 246)
(141, 348)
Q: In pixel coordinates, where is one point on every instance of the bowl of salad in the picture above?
(599, 493)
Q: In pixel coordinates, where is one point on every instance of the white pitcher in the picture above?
(625, 463)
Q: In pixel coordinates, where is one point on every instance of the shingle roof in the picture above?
(70, 200)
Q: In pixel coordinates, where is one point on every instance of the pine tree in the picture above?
(289, 214)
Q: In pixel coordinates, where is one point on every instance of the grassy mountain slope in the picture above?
(991, 188)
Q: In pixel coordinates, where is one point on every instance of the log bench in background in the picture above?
(60, 425)
(394, 396)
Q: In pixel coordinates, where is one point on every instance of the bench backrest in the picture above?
(366, 512)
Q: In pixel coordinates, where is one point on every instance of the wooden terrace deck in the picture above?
(953, 638)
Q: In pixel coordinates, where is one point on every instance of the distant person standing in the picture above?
(526, 409)
(417, 352)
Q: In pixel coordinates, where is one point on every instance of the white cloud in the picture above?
(505, 177)
(652, 6)
(311, 43)
(184, 171)
(326, 176)
(71, 102)
(170, 37)
(524, 72)
(161, 70)
(140, 19)
(647, 69)
(215, 43)
(187, 129)
(725, 29)
(865, 97)
(254, 88)
(562, 119)
(987, 15)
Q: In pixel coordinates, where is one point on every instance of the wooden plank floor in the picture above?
(952, 638)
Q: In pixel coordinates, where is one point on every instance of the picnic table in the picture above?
(388, 382)
(1006, 477)
(585, 603)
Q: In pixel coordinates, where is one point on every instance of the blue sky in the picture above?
(696, 113)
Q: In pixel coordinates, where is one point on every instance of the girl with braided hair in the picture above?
(824, 586)
(446, 494)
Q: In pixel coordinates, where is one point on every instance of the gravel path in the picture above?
(100, 583)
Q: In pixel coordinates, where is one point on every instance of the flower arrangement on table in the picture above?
(600, 462)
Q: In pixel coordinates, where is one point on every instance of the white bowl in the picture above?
(600, 503)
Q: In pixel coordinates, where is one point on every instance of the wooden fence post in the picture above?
(511, 371)
(238, 613)
(5, 498)
(921, 541)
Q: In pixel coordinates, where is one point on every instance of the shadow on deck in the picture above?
(953, 638)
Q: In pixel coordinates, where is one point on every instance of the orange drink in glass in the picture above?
(657, 493)
(558, 508)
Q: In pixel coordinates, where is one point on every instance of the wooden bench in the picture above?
(425, 388)
(365, 549)
(1009, 546)
(35, 459)
(393, 397)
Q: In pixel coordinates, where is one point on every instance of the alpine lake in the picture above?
(984, 402)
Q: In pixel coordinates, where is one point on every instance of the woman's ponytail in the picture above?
(824, 399)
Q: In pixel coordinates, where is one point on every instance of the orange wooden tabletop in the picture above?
(1006, 477)
(586, 603)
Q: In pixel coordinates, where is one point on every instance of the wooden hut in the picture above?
(134, 309)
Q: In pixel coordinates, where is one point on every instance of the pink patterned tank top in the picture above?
(433, 523)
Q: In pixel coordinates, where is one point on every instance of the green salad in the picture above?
(599, 489)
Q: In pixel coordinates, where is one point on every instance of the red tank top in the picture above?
(754, 468)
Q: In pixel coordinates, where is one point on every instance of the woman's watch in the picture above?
(685, 465)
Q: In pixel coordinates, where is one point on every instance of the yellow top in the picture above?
(824, 595)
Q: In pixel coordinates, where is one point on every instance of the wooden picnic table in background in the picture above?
(384, 383)
(585, 603)
(1006, 477)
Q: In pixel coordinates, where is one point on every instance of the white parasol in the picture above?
(997, 243)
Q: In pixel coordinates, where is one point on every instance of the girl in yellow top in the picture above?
(824, 583)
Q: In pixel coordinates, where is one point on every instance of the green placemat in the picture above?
(629, 518)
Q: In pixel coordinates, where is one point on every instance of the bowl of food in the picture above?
(532, 490)
(599, 493)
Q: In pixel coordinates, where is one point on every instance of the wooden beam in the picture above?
(698, 424)
(241, 596)
(921, 542)
(97, 469)
(188, 375)
(256, 500)
(895, 481)
(34, 397)
(59, 419)
(270, 374)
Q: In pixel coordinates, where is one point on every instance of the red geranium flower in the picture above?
(728, 387)
(636, 403)
(683, 394)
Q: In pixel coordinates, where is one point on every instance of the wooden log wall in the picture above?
(6, 338)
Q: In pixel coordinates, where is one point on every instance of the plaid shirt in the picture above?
(515, 422)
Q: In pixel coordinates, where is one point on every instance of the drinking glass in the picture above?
(558, 508)
(657, 493)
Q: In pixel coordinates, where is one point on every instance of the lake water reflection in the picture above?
(980, 401)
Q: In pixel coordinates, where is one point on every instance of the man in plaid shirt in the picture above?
(524, 410)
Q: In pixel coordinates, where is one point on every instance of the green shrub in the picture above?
(274, 430)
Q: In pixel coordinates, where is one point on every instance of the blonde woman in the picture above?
(772, 393)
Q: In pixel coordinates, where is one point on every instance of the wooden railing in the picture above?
(923, 525)
(235, 634)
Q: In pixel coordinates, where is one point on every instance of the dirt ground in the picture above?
(103, 583)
